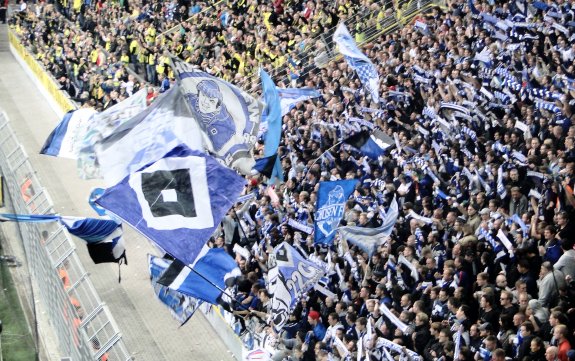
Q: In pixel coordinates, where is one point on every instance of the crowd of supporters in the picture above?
(89, 46)
(480, 99)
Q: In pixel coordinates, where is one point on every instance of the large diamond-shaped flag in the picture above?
(177, 201)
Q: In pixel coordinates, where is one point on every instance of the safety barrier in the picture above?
(82, 323)
(58, 99)
(366, 28)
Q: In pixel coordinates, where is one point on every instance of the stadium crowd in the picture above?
(480, 99)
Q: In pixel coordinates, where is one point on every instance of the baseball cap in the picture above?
(314, 315)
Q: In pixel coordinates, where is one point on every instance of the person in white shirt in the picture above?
(334, 325)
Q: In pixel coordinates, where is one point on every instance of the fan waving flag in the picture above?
(182, 306)
(371, 144)
(330, 206)
(289, 277)
(357, 60)
(146, 137)
(290, 97)
(367, 239)
(66, 139)
(213, 271)
(177, 202)
(227, 116)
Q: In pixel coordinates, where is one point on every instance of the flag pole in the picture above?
(240, 225)
(210, 282)
(322, 154)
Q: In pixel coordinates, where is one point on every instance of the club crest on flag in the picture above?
(329, 215)
(171, 194)
(177, 201)
(331, 202)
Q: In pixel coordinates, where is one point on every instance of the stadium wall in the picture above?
(48, 86)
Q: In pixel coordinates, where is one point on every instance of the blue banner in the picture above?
(330, 206)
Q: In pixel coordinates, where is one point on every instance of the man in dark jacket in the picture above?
(421, 334)
(527, 335)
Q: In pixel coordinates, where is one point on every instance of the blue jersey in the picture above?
(219, 125)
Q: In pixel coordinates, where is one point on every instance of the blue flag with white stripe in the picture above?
(357, 60)
(177, 202)
(330, 207)
(290, 97)
(66, 139)
(206, 279)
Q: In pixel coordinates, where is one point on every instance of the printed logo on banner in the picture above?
(290, 276)
(328, 216)
(171, 192)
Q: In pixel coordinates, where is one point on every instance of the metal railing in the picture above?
(400, 14)
(82, 323)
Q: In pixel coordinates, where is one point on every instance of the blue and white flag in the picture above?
(357, 60)
(181, 306)
(206, 279)
(273, 115)
(104, 237)
(289, 277)
(368, 239)
(101, 126)
(177, 202)
(32, 218)
(147, 137)
(66, 139)
(372, 144)
(95, 194)
(290, 97)
(330, 207)
(228, 117)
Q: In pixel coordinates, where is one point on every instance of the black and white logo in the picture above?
(173, 193)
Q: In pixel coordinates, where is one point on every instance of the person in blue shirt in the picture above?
(164, 83)
(318, 329)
